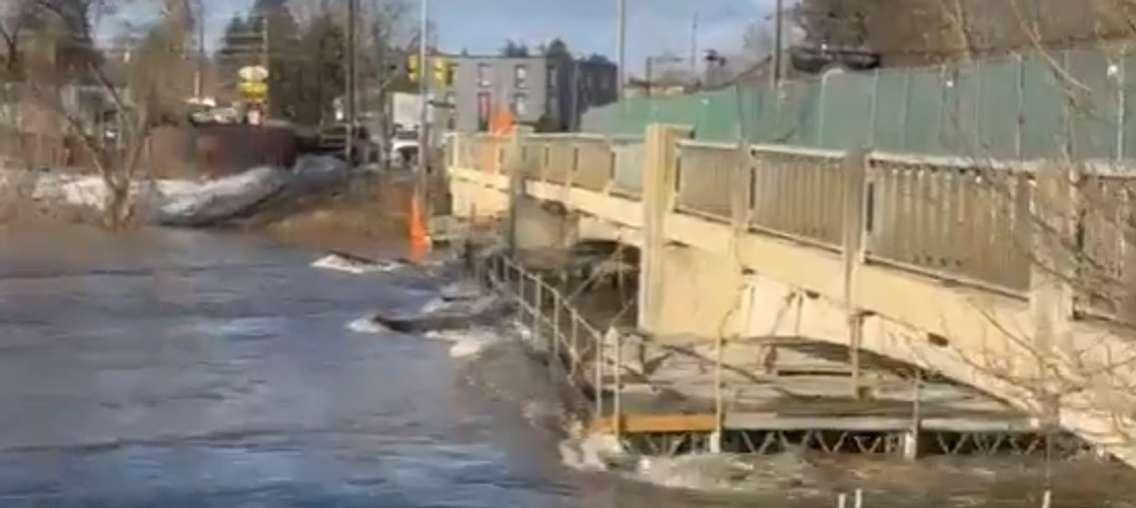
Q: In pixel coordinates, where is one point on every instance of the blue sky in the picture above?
(588, 26)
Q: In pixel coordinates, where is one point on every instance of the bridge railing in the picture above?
(955, 218)
(970, 221)
(595, 162)
(797, 193)
(1106, 285)
(705, 176)
(532, 158)
(483, 152)
(627, 175)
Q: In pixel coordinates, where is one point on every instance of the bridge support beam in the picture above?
(855, 188)
(659, 176)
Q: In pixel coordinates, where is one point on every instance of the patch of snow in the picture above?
(595, 452)
(367, 325)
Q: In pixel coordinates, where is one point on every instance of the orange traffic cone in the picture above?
(419, 235)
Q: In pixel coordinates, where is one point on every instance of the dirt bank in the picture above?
(366, 217)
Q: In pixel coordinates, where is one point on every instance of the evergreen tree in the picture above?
(558, 50)
(514, 50)
(238, 48)
(322, 47)
(273, 21)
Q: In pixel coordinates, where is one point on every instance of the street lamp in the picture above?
(658, 59)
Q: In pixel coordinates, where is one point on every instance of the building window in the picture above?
(520, 104)
(521, 76)
(483, 75)
(451, 98)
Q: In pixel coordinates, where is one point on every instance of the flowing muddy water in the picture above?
(175, 368)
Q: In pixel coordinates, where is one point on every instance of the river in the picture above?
(182, 368)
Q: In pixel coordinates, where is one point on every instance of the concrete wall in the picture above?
(543, 225)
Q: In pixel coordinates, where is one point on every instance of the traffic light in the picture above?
(413, 70)
(443, 72)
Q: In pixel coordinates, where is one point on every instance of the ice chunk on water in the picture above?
(342, 263)
(466, 343)
(434, 305)
(367, 325)
(467, 348)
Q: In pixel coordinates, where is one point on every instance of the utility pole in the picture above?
(648, 72)
(778, 20)
(264, 41)
(199, 76)
(424, 72)
(694, 47)
(621, 46)
(349, 146)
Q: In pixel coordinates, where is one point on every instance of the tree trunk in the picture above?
(118, 207)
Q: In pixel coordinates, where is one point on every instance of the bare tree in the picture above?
(142, 84)
(1071, 221)
(15, 15)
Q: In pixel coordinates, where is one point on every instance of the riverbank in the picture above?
(364, 214)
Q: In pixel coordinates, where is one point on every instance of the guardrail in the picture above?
(953, 221)
(557, 327)
(483, 152)
(627, 174)
(705, 178)
(595, 163)
(1107, 281)
(970, 221)
(797, 193)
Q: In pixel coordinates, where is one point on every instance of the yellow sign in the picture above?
(253, 73)
(254, 91)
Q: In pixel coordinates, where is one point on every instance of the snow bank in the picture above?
(239, 194)
(221, 199)
(89, 191)
(184, 202)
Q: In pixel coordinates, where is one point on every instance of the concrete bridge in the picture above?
(956, 266)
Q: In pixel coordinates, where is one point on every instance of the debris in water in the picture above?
(442, 313)
(357, 265)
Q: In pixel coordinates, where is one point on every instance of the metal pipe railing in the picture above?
(566, 341)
